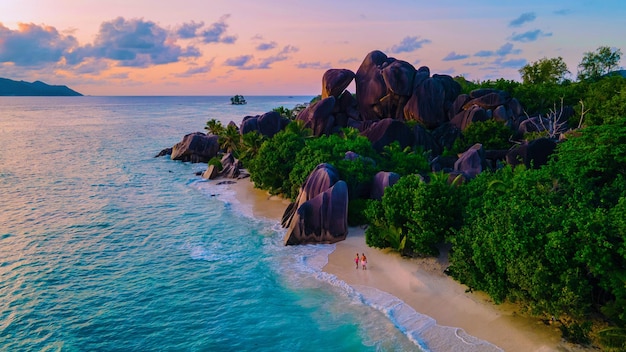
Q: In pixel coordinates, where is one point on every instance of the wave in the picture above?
(298, 264)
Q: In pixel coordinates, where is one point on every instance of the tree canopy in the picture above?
(600, 62)
(544, 70)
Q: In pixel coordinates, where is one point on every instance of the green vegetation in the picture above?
(598, 63)
(552, 239)
(332, 149)
(491, 134)
(275, 160)
(414, 216)
(544, 71)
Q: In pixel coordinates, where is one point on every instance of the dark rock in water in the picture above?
(335, 81)
(230, 166)
(386, 131)
(471, 162)
(383, 180)
(164, 152)
(226, 182)
(323, 219)
(318, 116)
(196, 148)
(211, 173)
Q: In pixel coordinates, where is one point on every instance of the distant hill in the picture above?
(9, 87)
(620, 72)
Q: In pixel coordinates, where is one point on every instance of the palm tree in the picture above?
(230, 139)
(297, 127)
(250, 144)
(214, 127)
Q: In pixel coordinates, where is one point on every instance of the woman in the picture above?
(357, 260)
(363, 261)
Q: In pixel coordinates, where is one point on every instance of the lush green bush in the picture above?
(356, 209)
(403, 161)
(604, 100)
(332, 149)
(217, 162)
(552, 238)
(522, 251)
(423, 212)
(251, 143)
(275, 160)
(491, 134)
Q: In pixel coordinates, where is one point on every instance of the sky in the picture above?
(283, 47)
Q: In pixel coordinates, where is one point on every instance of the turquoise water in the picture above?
(105, 248)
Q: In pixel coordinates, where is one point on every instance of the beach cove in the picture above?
(423, 299)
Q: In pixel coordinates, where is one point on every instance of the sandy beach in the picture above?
(422, 284)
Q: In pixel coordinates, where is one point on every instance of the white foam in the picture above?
(421, 329)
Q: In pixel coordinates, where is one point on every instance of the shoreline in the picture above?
(421, 284)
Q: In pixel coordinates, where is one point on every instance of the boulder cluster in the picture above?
(389, 93)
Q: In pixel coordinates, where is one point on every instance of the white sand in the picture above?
(422, 284)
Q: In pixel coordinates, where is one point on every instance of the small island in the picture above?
(238, 100)
(9, 87)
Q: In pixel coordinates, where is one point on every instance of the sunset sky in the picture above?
(283, 47)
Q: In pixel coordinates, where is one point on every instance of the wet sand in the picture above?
(422, 284)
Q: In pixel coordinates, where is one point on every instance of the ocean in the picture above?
(105, 248)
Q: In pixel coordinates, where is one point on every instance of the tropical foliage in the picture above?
(552, 239)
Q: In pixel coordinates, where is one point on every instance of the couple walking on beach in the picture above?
(361, 259)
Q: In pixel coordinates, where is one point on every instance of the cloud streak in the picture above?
(266, 46)
(504, 50)
(453, 56)
(529, 36)
(523, 18)
(409, 44)
(216, 33)
(246, 62)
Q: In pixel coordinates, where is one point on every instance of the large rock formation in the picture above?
(267, 124)
(370, 85)
(230, 166)
(386, 131)
(320, 212)
(471, 162)
(335, 82)
(196, 148)
(318, 116)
